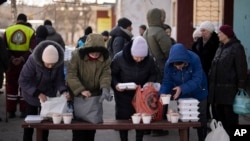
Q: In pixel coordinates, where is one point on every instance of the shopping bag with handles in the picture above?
(218, 133)
(146, 100)
(241, 103)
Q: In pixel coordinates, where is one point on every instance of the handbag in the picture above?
(241, 103)
(53, 105)
(88, 109)
(218, 133)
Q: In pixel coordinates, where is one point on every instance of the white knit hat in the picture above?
(139, 47)
(208, 26)
(50, 54)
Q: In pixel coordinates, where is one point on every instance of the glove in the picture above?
(105, 95)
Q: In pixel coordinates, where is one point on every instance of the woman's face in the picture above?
(222, 37)
(205, 34)
(138, 59)
(179, 65)
(49, 65)
(94, 54)
(168, 31)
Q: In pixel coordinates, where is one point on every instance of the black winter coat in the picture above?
(125, 69)
(206, 52)
(228, 72)
(119, 39)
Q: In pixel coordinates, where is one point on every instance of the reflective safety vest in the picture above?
(18, 37)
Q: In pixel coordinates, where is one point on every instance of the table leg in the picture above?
(183, 134)
(39, 134)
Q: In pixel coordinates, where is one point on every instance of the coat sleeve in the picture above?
(115, 67)
(118, 45)
(72, 78)
(105, 79)
(196, 78)
(4, 59)
(241, 66)
(167, 82)
(60, 82)
(164, 42)
(153, 71)
(27, 79)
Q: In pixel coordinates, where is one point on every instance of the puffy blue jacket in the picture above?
(191, 79)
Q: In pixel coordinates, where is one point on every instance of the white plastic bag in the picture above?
(218, 133)
(54, 105)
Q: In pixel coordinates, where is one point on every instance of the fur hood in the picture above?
(94, 43)
(38, 51)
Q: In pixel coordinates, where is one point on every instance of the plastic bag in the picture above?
(146, 100)
(218, 133)
(54, 105)
(241, 103)
(88, 109)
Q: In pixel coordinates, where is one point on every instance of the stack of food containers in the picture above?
(188, 109)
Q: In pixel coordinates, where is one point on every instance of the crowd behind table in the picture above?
(101, 63)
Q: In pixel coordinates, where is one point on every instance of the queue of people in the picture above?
(212, 72)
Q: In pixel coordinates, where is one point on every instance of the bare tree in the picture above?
(13, 10)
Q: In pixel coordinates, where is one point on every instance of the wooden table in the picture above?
(112, 124)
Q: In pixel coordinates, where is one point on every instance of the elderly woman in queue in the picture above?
(41, 77)
(132, 64)
(228, 74)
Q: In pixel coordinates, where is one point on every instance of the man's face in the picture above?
(129, 28)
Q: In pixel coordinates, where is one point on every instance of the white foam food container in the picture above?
(189, 113)
(187, 119)
(188, 101)
(33, 119)
(188, 104)
(187, 108)
(127, 86)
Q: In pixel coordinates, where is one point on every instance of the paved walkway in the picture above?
(12, 131)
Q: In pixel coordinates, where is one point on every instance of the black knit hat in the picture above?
(47, 22)
(105, 33)
(41, 32)
(124, 22)
(22, 17)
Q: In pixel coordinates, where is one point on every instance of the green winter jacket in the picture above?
(86, 74)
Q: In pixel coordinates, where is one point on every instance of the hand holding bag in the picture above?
(218, 133)
(54, 105)
(241, 103)
(88, 109)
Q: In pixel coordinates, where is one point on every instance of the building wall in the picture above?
(241, 24)
(136, 11)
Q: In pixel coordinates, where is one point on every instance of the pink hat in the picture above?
(50, 54)
(139, 47)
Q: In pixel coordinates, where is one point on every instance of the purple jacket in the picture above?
(35, 78)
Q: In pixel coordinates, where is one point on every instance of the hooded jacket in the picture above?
(86, 74)
(119, 38)
(54, 36)
(35, 78)
(191, 79)
(158, 41)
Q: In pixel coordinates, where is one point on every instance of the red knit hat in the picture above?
(227, 30)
